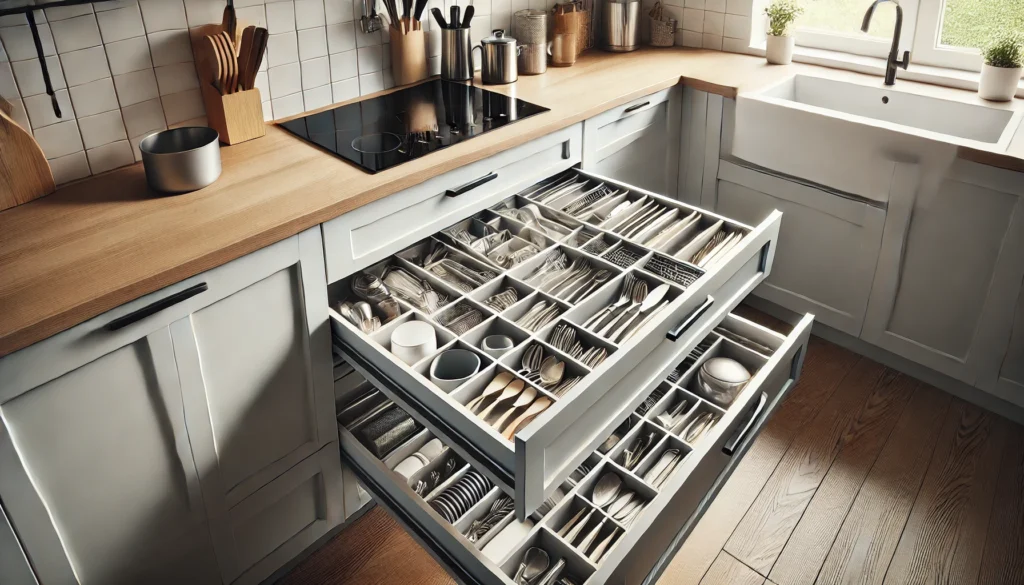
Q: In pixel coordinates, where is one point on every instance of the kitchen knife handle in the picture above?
(156, 307)
(471, 185)
(690, 319)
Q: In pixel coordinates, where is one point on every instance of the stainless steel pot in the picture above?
(620, 29)
(456, 54)
(182, 159)
(498, 59)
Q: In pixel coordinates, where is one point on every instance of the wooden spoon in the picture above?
(222, 64)
(208, 59)
(232, 62)
(245, 57)
(536, 408)
(510, 391)
(525, 398)
(499, 382)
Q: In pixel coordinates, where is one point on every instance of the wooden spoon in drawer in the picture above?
(536, 408)
(513, 389)
(496, 385)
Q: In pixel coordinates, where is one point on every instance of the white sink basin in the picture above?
(849, 136)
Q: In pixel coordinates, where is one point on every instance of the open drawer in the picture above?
(565, 222)
(669, 459)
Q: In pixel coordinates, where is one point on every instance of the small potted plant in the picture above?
(781, 16)
(1004, 61)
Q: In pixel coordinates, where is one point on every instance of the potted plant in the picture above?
(1004, 60)
(781, 16)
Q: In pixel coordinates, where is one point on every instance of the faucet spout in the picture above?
(894, 52)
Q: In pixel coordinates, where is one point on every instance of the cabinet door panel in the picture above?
(103, 448)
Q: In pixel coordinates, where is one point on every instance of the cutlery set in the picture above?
(634, 453)
(411, 18)
(460, 318)
(621, 506)
(502, 300)
(414, 290)
(502, 507)
(663, 468)
(548, 372)
(563, 338)
(513, 395)
(499, 247)
(634, 308)
(539, 315)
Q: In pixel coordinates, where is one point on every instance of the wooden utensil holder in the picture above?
(408, 56)
(237, 117)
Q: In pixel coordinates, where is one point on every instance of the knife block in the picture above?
(237, 117)
(408, 56)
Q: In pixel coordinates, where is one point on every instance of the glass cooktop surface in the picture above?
(388, 130)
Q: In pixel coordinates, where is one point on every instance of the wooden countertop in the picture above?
(99, 243)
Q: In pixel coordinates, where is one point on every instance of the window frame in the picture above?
(927, 48)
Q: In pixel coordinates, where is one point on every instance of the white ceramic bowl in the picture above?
(413, 340)
(722, 378)
(432, 449)
(409, 466)
(453, 368)
(496, 345)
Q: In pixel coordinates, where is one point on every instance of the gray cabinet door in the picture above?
(96, 473)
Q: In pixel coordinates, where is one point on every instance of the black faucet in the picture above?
(893, 61)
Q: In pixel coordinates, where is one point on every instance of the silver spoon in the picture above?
(606, 489)
(535, 562)
(551, 371)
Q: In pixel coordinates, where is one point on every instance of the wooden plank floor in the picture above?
(863, 476)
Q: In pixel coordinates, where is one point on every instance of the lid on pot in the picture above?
(498, 38)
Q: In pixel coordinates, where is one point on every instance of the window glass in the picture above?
(845, 16)
(973, 23)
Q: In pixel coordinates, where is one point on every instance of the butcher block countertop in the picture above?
(107, 240)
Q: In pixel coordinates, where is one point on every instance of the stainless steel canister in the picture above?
(498, 59)
(531, 31)
(620, 29)
(456, 54)
(182, 159)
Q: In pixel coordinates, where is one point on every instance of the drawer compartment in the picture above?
(532, 459)
(607, 543)
(374, 231)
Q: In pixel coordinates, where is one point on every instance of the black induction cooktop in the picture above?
(388, 130)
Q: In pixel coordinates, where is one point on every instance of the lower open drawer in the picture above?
(670, 454)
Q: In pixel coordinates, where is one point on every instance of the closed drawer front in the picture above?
(372, 232)
(542, 453)
(671, 502)
(617, 128)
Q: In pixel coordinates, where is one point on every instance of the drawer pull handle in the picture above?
(470, 185)
(690, 319)
(737, 439)
(156, 307)
(634, 108)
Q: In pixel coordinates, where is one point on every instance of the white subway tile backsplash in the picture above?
(40, 109)
(482, 7)
(371, 83)
(345, 90)
(341, 37)
(253, 15)
(113, 5)
(337, 11)
(690, 39)
(715, 5)
(176, 78)
(110, 156)
(200, 12)
(94, 97)
(59, 140)
(17, 19)
(696, 4)
(312, 43)
(316, 73)
(3, 54)
(170, 46)
(64, 12)
(737, 27)
(309, 13)
(710, 41)
(182, 106)
(736, 45)
(8, 87)
(343, 66)
(129, 55)
(84, 66)
(740, 7)
(19, 115)
(70, 167)
(370, 59)
(268, 111)
(317, 97)
(693, 20)
(160, 15)
(19, 45)
(714, 23)
(102, 129)
(366, 39)
(287, 106)
(136, 87)
(280, 17)
(282, 49)
(76, 33)
(30, 76)
(263, 84)
(389, 79)
(120, 24)
(144, 118)
(285, 80)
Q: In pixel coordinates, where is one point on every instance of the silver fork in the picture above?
(624, 298)
(638, 294)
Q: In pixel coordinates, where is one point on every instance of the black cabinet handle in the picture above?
(634, 108)
(737, 439)
(690, 319)
(470, 185)
(156, 307)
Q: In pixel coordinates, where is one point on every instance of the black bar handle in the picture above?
(634, 108)
(737, 439)
(471, 185)
(156, 307)
(690, 319)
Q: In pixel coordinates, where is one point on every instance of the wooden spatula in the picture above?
(232, 62)
(229, 22)
(245, 57)
(208, 61)
(24, 173)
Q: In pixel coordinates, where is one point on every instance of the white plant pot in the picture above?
(779, 50)
(998, 84)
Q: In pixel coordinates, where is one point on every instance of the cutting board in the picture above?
(24, 173)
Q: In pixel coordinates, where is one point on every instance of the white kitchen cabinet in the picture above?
(828, 243)
(129, 443)
(943, 270)
(637, 142)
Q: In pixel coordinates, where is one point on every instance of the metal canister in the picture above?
(620, 29)
(456, 54)
(498, 59)
(531, 30)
